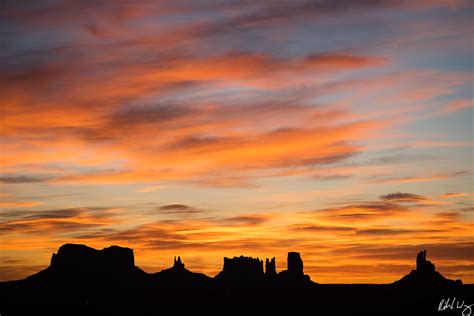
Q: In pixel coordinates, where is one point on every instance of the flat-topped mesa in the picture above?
(241, 269)
(86, 267)
(294, 271)
(270, 267)
(75, 256)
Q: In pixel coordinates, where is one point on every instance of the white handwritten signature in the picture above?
(452, 304)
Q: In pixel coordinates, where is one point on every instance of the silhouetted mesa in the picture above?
(81, 265)
(71, 256)
(294, 271)
(241, 269)
(425, 275)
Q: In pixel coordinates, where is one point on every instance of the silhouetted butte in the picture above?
(294, 271)
(425, 275)
(81, 266)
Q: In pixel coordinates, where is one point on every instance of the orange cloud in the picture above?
(456, 194)
(181, 133)
(458, 105)
(11, 204)
(192, 157)
(361, 212)
(149, 189)
(427, 178)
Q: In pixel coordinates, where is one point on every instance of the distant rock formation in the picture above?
(270, 268)
(422, 264)
(80, 266)
(425, 275)
(178, 265)
(241, 269)
(294, 270)
(73, 256)
(178, 275)
(295, 264)
(86, 266)
(84, 277)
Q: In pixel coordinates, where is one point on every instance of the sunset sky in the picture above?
(340, 129)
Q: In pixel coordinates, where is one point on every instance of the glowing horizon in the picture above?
(208, 129)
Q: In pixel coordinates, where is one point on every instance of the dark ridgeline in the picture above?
(86, 278)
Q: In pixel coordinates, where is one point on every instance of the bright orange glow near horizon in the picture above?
(207, 129)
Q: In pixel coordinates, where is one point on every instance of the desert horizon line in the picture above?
(178, 263)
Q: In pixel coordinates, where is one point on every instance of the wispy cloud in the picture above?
(421, 178)
(17, 179)
(458, 105)
(14, 204)
(149, 189)
(402, 197)
(456, 195)
(178, 209)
